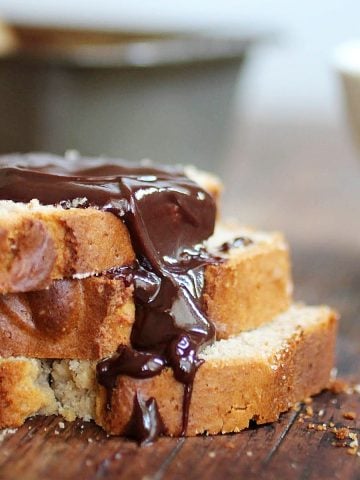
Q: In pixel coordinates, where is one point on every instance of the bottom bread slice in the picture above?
(254, 376)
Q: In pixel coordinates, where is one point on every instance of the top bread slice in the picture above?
(39, 244)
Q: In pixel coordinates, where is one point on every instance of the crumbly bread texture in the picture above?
(89, 318)
(254, 376)
(39, 244)
(24, 390)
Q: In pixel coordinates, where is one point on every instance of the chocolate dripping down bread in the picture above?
(177, 279)
(253, 376)
(40, 243)
(89, 318)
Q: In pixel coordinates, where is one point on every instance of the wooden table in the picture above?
(325, 272)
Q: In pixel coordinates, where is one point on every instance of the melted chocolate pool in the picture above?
(168, 216)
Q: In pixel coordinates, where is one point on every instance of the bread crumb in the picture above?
(349, 415)
(212, 454)
(249, 453)
(308, 400)
(341, 433)
(356, 388)
(309, 411)
(351, 451)
(338, 386)
(321, 412)
(56, 432)
(320, 427)
(90, 440)
(61, 425)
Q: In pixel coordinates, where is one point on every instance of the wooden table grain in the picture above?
(325, 272)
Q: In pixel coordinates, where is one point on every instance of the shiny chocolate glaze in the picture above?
(168, 217)
(145, 423)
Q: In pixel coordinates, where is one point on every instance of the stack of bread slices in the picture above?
(59, 318)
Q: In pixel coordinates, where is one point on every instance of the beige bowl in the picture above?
(347, 62)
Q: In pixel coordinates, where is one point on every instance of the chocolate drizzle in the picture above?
(145, 424)
(168, 217)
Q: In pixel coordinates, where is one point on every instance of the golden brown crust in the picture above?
(22, 392)
(249, 290)
(41, 245)
(228, 394)
(83, 319)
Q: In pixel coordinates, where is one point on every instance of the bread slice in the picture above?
(39, 243)
(89, 318)
(254, 376)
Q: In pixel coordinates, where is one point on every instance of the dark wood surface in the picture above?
(326, 270)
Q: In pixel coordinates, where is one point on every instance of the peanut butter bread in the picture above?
(255, 376)
(89, 318)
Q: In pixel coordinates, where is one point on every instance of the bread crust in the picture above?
(229, 393)
(251, 288)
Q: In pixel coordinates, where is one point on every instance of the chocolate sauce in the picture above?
(127, 361)
(145, 424)
(168, 216)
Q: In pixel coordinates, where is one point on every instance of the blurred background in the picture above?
(248, 89)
